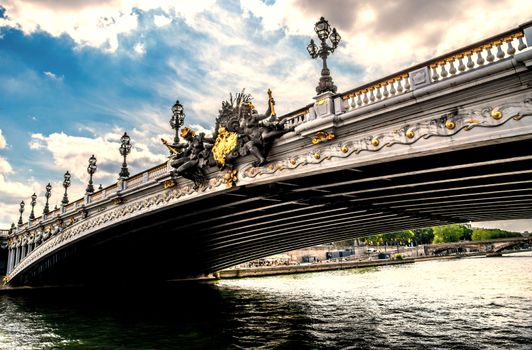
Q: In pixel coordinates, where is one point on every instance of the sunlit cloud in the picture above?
(5, 167)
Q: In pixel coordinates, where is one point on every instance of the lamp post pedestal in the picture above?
(326, 82)
(324, 105)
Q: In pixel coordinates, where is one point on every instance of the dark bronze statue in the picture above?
(195, 157)
(259, 133)
(239, 131)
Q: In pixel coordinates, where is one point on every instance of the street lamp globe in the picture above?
(66, 184)
(47, 195)
(312, 49)
(335, 38)
(177, 119)
(33, 202)
(21, 210)
(91, 169)
(125, 148)
(125, 144)
(322, 28)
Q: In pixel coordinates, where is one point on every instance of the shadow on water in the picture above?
(183, 315)
(143, 318)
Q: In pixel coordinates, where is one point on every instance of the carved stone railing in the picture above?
(96, 196)
(135, 181)
(4, 233)
(157, 171)
(296, 117)
(472, 57)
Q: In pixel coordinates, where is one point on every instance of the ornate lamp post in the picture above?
(21, 210)
(91, 169)
(125, 148)
(47, 194)
(33, 202)
(177, 119)
(323, 30)
(66, 184)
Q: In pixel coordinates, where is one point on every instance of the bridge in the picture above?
(446, 141)
(490, 247)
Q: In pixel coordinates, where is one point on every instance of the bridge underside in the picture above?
(478, 184)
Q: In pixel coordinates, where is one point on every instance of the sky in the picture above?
(76, 74)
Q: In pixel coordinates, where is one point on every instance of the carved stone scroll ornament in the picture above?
(444, 126)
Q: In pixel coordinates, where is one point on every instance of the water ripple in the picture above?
(455, 304)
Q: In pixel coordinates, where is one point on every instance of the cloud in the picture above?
(72, 153)
(139, 48)
(11, 193)
(94, 23)
(53, 76)
(5, 167)
(161, 20)
(383, 37)
(3, 143)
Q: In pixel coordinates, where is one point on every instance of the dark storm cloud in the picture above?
(392, 16)
(398, 16)
(340, 14)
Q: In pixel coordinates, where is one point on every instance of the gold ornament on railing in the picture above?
(230, 178)
(322, 136)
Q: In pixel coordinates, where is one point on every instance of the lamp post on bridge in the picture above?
(66, 184)
(47, 194)
(91, 169)
(21, 210)
(323, 30)
(33, 202)
(125, 148)
(177, 120)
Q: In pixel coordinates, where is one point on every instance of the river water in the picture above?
(474, 303)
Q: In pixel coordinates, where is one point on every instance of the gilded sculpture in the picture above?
(239, 131)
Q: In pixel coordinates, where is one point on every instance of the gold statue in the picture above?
(272, 103)
(172, 149)
(225, 142)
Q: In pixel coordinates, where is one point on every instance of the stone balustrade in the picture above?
(463, 60)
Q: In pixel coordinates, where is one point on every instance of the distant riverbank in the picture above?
(330, 266)
(324, 266)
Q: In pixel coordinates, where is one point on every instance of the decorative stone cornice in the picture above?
(445, 126)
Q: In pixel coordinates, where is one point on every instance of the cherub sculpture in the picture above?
(195, 157)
